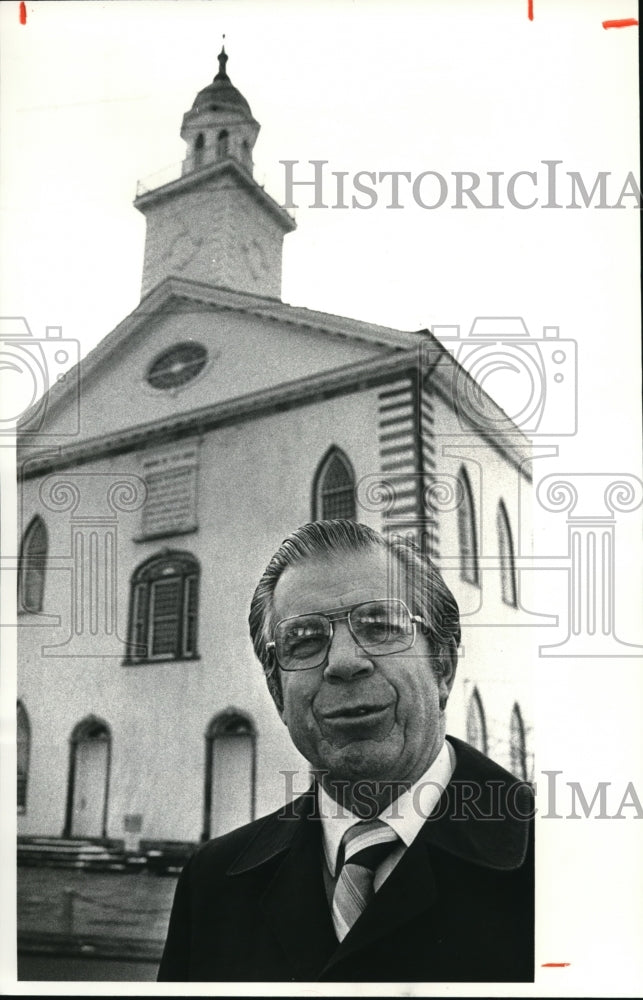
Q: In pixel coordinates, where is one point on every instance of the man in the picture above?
(411, 858)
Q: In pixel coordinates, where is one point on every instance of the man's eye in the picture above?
(303, 640)
(380, 626)
(305, 646)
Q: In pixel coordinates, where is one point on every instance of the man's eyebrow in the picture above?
(318, 611)
(336, 610)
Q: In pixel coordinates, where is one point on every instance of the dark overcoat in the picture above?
(458, 907)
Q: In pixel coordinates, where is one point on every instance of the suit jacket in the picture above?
(458, 907)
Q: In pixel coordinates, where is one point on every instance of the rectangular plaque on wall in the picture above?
(171, 476)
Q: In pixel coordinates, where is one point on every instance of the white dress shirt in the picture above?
(406, 814)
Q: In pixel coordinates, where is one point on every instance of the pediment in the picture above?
(247, 344)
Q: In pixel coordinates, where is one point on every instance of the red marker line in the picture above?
(23, 12)
(530, 9)
(624, 22)
(554, 965)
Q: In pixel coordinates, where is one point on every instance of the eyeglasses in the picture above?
(378, 627)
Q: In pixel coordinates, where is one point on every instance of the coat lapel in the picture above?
(296, 907)
(294, 903)
(484, 815)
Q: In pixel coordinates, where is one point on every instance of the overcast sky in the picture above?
(94, 93)
(92, 99)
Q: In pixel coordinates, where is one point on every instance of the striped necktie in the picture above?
(364, 845)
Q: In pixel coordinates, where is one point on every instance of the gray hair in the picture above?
(428, 593)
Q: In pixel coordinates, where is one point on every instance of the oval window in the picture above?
(177, 366)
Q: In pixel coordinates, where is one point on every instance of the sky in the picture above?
(92, 99)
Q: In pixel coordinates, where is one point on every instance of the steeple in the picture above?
(214, 223)
(223, 58)
(219, 124)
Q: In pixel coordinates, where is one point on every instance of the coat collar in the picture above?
(482, 818)
(278, 832)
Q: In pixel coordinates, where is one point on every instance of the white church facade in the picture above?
(208, 425)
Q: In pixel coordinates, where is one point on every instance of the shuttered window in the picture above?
(164, 607)
(189, 629)
(138, 614)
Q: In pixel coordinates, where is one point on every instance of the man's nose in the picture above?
(346, 661)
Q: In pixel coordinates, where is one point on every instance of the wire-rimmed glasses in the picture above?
(378, 627)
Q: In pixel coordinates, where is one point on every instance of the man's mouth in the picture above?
(355, 712)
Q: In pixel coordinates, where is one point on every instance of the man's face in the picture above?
(402, 732)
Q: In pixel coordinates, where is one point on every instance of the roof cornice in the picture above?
(212, 171)
(356, 377)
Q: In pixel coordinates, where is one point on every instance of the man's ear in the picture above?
(447, 666)
(271, 672)
(278, 700)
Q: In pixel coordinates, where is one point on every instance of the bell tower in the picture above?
(219, 125)
(211, 221)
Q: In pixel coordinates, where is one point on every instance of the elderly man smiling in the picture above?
(411, 858)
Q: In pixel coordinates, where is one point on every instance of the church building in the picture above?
(158, 478)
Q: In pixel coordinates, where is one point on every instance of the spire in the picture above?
(223, 58)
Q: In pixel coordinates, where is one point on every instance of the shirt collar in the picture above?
(406, 815)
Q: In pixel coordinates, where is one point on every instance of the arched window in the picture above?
(164, 608)
(506, 552)
(222, 144)
(476, 725)
(31, 566)
(518, 744)
(23, 736)
(334, 487)
(230, 773)
(199, 146)
(88, 784)
(467, 532)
